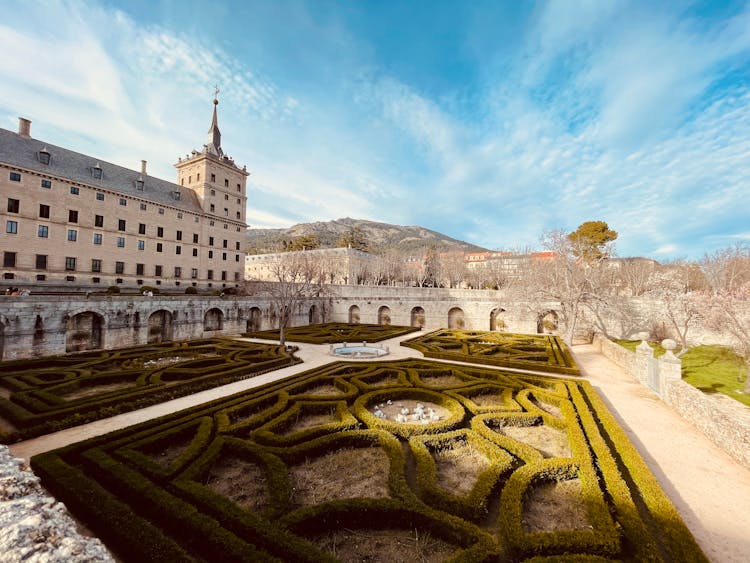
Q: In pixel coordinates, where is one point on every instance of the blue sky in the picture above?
(487, 121)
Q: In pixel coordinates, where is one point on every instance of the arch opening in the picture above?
(213, 320)
(384, 315)
(418, 317)
(354, 314)
(160, 327)
(456, 318)
(84, 331)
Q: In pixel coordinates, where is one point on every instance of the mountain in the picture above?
(380, 237)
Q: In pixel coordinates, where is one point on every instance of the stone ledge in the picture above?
(33, 525)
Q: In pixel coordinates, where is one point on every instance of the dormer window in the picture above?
(139, 183)
(176, 194)
(96, 172)
(44, 156)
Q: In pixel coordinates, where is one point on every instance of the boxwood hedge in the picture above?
(540, 352)
(49, 394)
(333, 333)
(150, 506)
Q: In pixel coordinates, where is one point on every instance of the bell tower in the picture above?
(217, 181)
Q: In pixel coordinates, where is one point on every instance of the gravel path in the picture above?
(710, 490)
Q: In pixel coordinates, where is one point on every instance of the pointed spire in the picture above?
(213, 145)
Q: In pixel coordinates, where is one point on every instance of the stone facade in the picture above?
(70, 220)
(339, 266)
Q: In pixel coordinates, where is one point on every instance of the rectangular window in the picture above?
(239, 215)
(143, 207)
(11, 227)
(194, 273)
(99, 196)
(41, 261)
(119, 267)
(99, 221)
(123, 201)
(210, 241)
(210, 254)
(239, 188)
(161, 211)
(72, 216)
(179, 235)
(97, 238)
(213, 208)
(238, 201)
(42, 231)
(157, 271)
(70, 263)
(160, 232)
(226, 182)
(158, 247)
(96, 172)
(9, 259)
(195, 239)
(236, 276)
(178, 250)
(43, 211)
(74, 190)
(179, 214)
(237, 245)
(225, 243)
(139, 269)
(195, 252)
(226, 212)
(72, 235)
(223, 276)
(120, 242)
(223, 255)
(47, 184)
(141, 228)
(196, 219)
(15, 177)
(121, 224)
(14, 205)
(210, 274)
(141, 245)
(41, 277)
(96, 265)
(177, 272)
(213, 177)
(236, 257)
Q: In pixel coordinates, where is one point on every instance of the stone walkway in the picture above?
(710, 490)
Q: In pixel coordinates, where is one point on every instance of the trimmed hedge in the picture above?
(148, 484)
(523, 351)
(43, 397)
(334, 333)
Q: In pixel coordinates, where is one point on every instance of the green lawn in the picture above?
(712, 369)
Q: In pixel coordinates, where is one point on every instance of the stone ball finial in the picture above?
(639, 336)
(668, 344)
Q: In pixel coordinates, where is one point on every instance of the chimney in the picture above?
(143, 167)
(24, 127)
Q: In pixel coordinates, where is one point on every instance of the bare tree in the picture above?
(566, 280)
(298, 280)
(452, 268)
(727, 301)
(676, 291)
(634, 275)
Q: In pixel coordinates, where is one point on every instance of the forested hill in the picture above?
(369, 235)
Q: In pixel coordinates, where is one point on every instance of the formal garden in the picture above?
(403, 460)
(539, 352)
(331, 333)
(43, 395)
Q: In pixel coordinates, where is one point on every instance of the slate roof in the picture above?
(23, 152)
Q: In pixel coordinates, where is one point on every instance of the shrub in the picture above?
(113, 289)
(146, 288)
(191, 290)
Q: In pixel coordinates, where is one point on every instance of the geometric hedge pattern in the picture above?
(331, 333)
(47, 394)
(538, 352)
(305, 470)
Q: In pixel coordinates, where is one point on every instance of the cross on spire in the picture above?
(216, 93)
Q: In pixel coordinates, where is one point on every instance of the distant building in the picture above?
(341, 266)
(70, 219)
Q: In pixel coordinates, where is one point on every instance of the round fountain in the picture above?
(362, 351)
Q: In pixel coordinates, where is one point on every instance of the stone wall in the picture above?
(723, 420)
(33, 525)
(35, 326)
